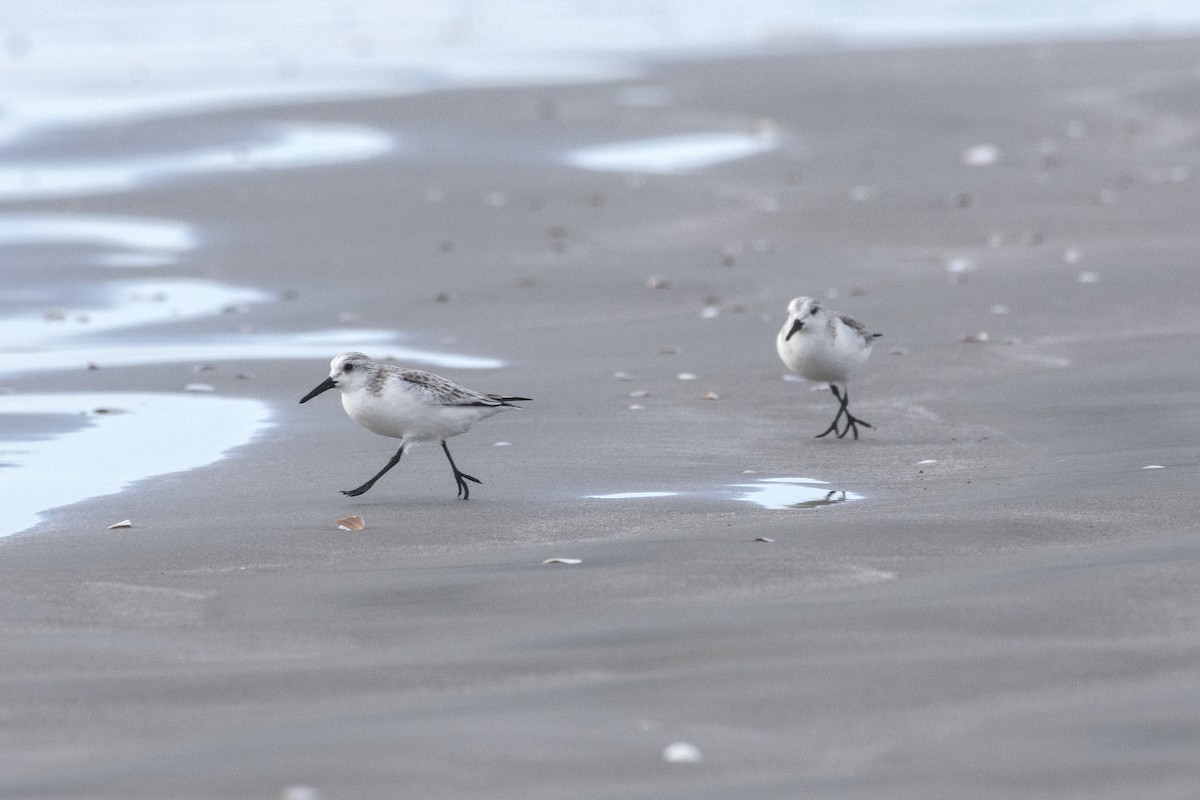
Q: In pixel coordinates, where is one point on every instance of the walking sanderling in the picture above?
(823, 345)
(409, 405)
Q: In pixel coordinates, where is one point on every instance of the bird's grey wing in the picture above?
(859, 328)
(438, 391)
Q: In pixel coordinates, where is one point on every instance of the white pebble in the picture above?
(686, 376)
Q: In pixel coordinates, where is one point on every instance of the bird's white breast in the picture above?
(407, 415)
(820, 353)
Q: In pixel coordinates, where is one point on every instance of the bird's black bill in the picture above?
(325, 385)
(796, 326)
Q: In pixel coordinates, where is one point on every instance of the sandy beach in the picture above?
(1012, 608)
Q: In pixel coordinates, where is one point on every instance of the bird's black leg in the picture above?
(841, 410)
(459, 477)
(395, 460)
(851, 420)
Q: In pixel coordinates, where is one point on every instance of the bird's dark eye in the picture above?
(815, 309)
(348, 368)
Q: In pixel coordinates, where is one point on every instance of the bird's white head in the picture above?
(347, 372)
(803, 313)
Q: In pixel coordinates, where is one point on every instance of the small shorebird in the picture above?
(823, 345)
(407, 404)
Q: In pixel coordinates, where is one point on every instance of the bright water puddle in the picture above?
(671, 155)
(769, 493)
(277, 147)
(115, 241)
(123, 438)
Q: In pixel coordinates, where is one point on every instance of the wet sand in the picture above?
(1018, 618)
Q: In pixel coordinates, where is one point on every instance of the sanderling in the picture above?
(409, 405)
(823, 345)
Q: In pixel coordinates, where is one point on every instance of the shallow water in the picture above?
(774, 494)
(97, 444)
(268, 148)
(670, 155)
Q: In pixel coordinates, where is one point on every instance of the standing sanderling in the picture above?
(823, 345)
(409, 405)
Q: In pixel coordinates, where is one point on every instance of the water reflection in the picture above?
(669, 155)
(770, 493)
(123, 438)
(273, 147)
(118, 241)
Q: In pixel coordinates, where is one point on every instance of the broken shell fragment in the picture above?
(354, 523)
(682, 753)
(122, 524)
(562, 561)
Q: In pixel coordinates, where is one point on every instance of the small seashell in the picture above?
(502, 444)
(1154, 466)
(710, 312)
(765, 539)
(637, 407)
(682, 753)
(976, 338)
(122, 524)
(199, 387)
(686, 376)
(354, 523)
(790, 378)
(300, 792)
(864, 194)
(639, 393)
(711, 396)
(961, 265)
(569, 561)
(1088, 277)
(624, 376)
(927, 461)
(981, 155)
(1072, 255)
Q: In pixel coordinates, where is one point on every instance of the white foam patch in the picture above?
(142, 436)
